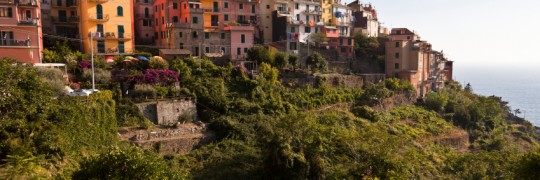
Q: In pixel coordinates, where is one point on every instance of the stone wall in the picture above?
(168, 113)
(298, 78)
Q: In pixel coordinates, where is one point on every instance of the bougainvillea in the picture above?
(84, 64)
(150, 76)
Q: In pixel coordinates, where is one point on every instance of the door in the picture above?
(214, 20)
(28, 14)
(99, 11)
(216, 7)
(100, 30)
(62, 16)
(120, 31)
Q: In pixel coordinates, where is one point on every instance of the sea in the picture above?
(519, 87)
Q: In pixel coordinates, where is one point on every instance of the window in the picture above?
(350, 42)
(241, 6)
(226, 17)
(181, 45)
(6, 12)
(101, 46)
(243, 38)
(396, 75)
(121, 47)
(156, 35)
(223, 50)
(146, 12)
(397, 44)
(145, 23)
(343, 50)
(408, 37)
(197, 51)
(195, 20)
(292, 46)
(267, 6)
(245, 50)
(162, 20)
(238, 51)
(222, 35)
(195, 34)
(181, 34)
(207, 49)
(206, 35)
(99, 28)
(307, 29)
(119, 11)
(175, 5)
(307, 18)
(296, 6)
(175, 19)
(253, 8)
(293, 29)
(396, 65)
(396, 55)
(226, 5)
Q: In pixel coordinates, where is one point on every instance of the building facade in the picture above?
(409, 58)
(144, 21)
(20, 30)
(366, 21)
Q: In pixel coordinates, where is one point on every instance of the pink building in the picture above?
(241, 40)
(20, 30)
(144, 15)
(339, 41)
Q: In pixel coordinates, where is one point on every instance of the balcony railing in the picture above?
(145, 1)
(61, 19)
(7, 1)
(313, 11)
(27, 3)
(13, 42)
(98, 17)
(98, 1)
(142, 15)
(216, 10)
(28, 21)
(112, 35)
(113, 51)
(214, 23)
(65, 4)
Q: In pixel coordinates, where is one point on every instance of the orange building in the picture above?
(20, 30)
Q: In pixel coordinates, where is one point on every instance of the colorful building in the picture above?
(20, 30)
(110, 23)
(414, 60)
(366, 21)
(144, 20)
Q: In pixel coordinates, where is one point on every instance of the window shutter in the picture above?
(9, 12)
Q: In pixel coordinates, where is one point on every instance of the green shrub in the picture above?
(365, 112)
(144, 91)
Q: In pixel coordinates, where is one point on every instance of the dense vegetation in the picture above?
(263, 129)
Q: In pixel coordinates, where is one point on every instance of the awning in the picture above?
(213, 55)
(174, 51)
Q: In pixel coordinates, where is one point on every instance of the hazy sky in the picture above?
(474, 33)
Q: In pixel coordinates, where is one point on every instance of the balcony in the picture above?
(7, 2)
(32, 3)
(61, 19)
(112, 35)
(113, 51)
(98, 1)
(145, 1)
(65, 4)
(313, 12)
(212, 10)
(14, 43)
(214, 23)
(98, 17)
(28, 21)
(144, 16)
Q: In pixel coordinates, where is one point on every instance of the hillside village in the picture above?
(222, 31)
(240, 89)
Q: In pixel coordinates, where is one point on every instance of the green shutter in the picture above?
(9, 12)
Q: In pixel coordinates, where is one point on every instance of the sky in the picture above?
(476, 34)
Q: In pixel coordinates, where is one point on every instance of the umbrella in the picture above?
(134, 59)
(128, 57)
(159, 58)
(127, 60)
(109, 60)
(142, 58)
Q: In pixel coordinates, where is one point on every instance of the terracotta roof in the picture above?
(174, 51)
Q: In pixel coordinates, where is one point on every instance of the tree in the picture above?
(125, 163)
(468, 87)
(293, 61)
(281, 59)
(317, 62)
(528, 166)
(318, 38)
(260, 53)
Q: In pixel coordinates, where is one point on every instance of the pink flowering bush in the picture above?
(150, 76)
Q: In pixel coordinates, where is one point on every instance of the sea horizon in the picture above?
(516, 85)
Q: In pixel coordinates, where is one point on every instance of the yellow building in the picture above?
(212, 12)
(327, 7)
(111, 24)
